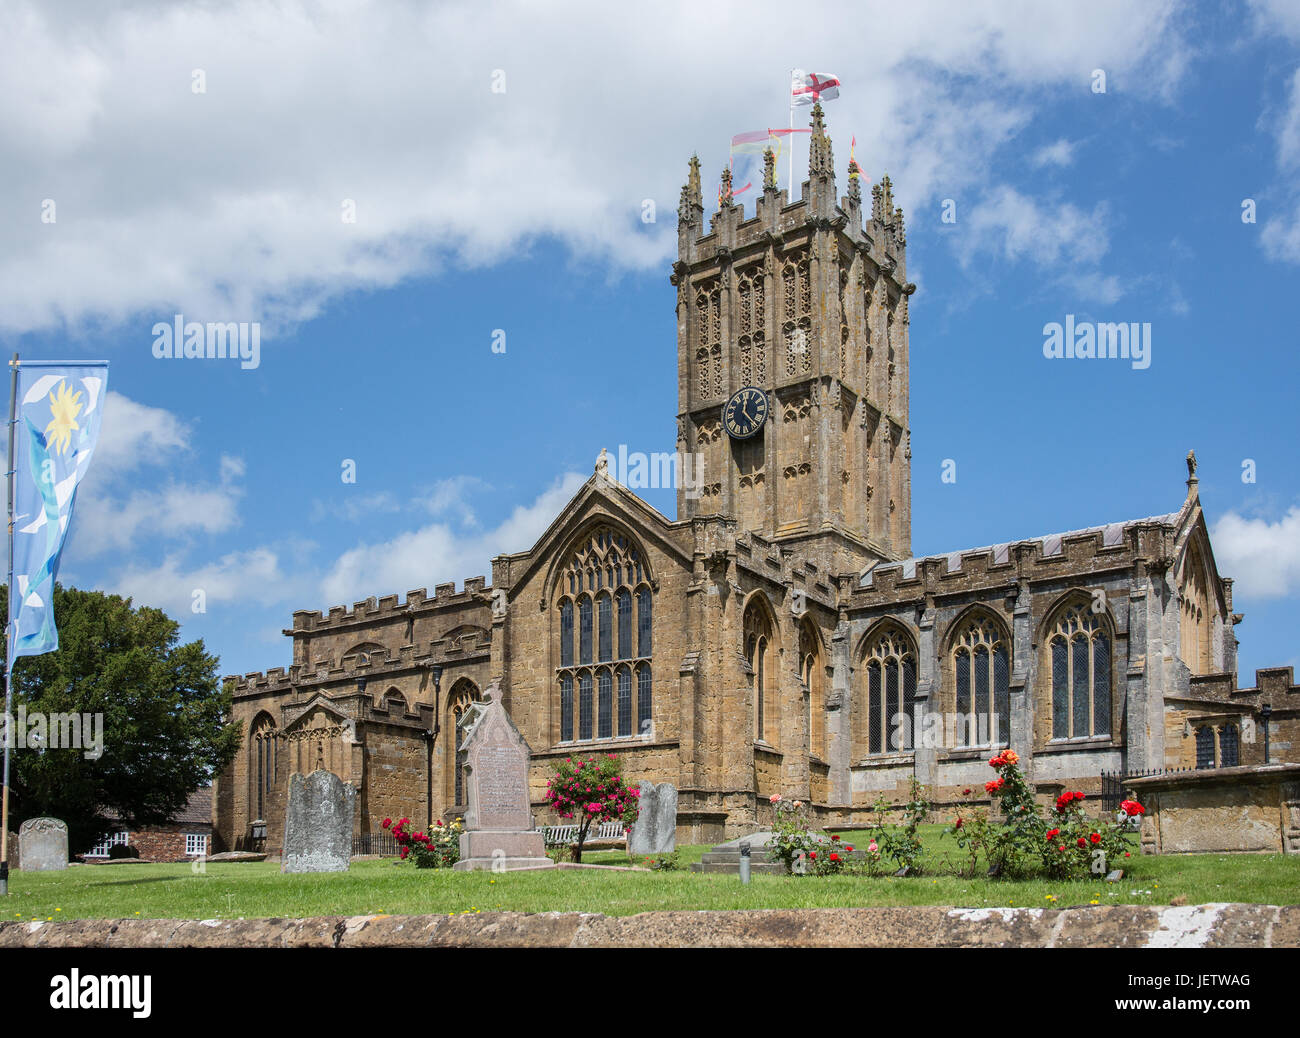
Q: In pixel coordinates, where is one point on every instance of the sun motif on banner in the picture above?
(64, 406)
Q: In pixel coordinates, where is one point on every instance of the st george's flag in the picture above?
(58, 407)
(809, 87)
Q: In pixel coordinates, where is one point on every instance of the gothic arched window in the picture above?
(981, 682)
(1195, 619)
(614, 627)
(761, 656)
(813, 674)
(264, 757)
(644, 712)
(1079, 657)
(462, 694)
(887, 679)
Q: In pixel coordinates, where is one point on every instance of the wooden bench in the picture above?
(604, 833)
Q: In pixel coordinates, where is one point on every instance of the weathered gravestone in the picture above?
(499, 832)
(43, 845)
(318, 823)
(655, 830)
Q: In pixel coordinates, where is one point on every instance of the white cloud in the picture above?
(352, 505)
(1280, 236)
(390, 104)
(134, 434)
(1262, 557)
(180, 510)
(1065, 241)
(1060, 153)
(1277, 16)
(437, 553)
(232, 468)
(253, 575)
(1288, 129)
(450, 495)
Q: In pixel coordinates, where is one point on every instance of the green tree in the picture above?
(166, 718)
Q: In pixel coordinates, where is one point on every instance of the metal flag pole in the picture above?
(791, 199)
(9, 635)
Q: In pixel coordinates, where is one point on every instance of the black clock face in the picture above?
(744, 414)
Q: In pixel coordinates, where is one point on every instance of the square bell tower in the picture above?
(808, 303)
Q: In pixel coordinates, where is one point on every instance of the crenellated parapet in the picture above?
(445, 596)
(1111, 547)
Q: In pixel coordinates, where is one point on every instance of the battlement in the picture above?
(779, 221)
(774, 560)
(370, 609)
(353, 665)
(1053, 551)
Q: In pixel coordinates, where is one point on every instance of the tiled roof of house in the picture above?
(197, 810)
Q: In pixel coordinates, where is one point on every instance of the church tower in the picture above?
(808, 304)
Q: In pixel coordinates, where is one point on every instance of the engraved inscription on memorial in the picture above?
(501, 786)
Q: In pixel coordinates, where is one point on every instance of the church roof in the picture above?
(1112, 534)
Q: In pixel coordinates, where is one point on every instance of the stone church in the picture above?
(776, 636)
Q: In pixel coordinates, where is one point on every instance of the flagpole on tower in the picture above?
(790, 200)
(9, 635)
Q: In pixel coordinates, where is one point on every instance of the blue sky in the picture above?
(480, 208)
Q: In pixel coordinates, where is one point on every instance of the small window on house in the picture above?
(196, 844)
(100, 850)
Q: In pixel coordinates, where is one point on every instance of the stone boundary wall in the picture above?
(1106, 926)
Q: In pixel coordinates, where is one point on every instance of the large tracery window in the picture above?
(606, 581)
(888, 676)
(981, 679)
(1079, 648)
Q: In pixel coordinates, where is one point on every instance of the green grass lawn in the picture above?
(260, 890)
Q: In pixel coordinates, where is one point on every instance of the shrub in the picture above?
(903, 844)
(792, 843)
(437, 849)
(669, 862)
(1068, 845)
(593, 791)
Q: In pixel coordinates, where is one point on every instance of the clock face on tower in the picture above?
(744, 414)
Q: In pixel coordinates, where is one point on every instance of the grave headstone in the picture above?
(655, 830)
(43, 845)
(499, 830)
(318, 823)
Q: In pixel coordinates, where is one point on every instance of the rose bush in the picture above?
(591, 790)
(439, 848)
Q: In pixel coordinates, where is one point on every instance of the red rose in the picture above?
(1053, 833)
(835, 836)
(1061, 848)
(958, 825)
(1082, 842)
(812, 854)
(387, 822)
(834, 856)
(1095, 838)
(966, 792)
